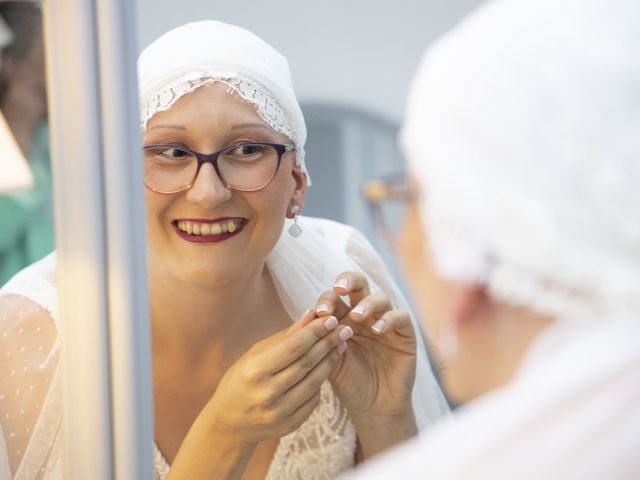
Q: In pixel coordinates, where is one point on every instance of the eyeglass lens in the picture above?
(248, 166)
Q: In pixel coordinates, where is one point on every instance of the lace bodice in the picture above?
(323, 447)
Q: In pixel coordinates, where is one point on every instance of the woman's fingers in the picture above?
(329, 303)
(397, 321)
(304, 320)
(353, 284)
(286, 397)
(298, 370)
(374, 311)
(371, 308)
(310, 384)
(296, 345)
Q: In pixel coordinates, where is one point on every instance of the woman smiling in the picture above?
(260, 370)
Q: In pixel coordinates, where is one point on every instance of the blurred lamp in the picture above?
(14, 170)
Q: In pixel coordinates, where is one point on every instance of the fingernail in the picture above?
(342, 283)
(341, 348)
(360, 309)
(346, 333)
(322, 308)
(331, 323)
(308, 312)
(378, 326)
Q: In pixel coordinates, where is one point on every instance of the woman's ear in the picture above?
(468, 301)
(299, 195)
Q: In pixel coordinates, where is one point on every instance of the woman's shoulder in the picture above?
(325, 225)
(330, 232)
(29, 342)
(344, 238)
(36, 284)
(339, 247)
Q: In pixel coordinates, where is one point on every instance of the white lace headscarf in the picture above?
(205, 52)
(523, 129)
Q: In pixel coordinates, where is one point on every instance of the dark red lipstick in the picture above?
(209, 238)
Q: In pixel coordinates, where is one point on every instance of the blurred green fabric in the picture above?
(26, 219)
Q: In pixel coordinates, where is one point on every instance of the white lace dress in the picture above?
(30, 382)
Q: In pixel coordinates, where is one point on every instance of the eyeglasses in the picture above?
(387, 198)
(246, 166)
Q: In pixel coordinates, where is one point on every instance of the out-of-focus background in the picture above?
(352, 62)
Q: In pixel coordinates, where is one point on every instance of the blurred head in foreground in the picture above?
(522, 242)
(522, 137)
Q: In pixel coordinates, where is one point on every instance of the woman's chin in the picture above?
(203, 277)
(453, 390)
(202, 273)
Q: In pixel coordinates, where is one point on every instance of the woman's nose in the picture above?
(207, 190)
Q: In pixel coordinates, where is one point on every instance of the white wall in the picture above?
(359, 52)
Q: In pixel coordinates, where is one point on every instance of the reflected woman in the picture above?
(260, 370)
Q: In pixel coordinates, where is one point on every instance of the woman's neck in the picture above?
(230, 316)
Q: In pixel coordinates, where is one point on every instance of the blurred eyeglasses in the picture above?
(388, 198)
(246, 166)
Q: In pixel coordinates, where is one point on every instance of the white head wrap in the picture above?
(523, 128)
(200, 53)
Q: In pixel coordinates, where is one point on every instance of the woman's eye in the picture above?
(175, 153)
(165, 155)
(247, 150)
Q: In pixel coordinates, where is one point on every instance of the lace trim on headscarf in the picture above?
(243, 88)
(526, 279)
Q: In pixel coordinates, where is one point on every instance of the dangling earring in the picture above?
(295, 230)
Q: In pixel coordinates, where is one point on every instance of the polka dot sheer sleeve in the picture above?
(29, 420)
(30, 394)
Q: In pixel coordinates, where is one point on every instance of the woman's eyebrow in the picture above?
(250, 125)
(174, 127)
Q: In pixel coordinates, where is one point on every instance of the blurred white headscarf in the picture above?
(204, 52)
(523, 128)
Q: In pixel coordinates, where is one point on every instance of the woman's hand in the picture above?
(273, 388)
(374, 378)
(267, 393)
